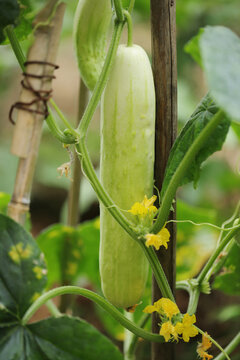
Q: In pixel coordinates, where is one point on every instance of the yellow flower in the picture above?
(168, 330)
(149, 309)
(168, 307)
(145, 207)
(203, 346)
(159, 239)
(163, 306)
(186, 327)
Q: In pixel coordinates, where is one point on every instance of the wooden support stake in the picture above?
(163, 25)
(27, 134)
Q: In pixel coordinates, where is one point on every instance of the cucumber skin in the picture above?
(91, 24)
(126, 170)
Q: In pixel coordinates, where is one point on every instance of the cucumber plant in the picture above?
(131, 226)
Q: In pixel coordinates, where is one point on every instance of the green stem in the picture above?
(214, 256)
(99, 300)
(157, 271)
(55, 130)
(219, 264)
(182, 168)
(101, 193)
(183, 285)
(98, 90)
(63, 118)
(230, 347)
(128, 335)
(193, 301)
(215, 343)
(15, 45)
(53, 309)
(130, 30)
(119, 10)
(134, 341)
(131, 6)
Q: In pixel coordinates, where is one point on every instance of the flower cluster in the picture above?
(203, 347)
(172, 325)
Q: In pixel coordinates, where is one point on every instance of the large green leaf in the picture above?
(64, 338)
(199, 119)
(71, 252)
(22, 270)
(228, 280)
(220, 52)
(9, 13)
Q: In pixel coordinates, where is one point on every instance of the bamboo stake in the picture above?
(165, 76)
(27, 133)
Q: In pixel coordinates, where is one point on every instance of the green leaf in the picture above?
(22, 270)
(228, 280)
(199, 119)
(220, 51)
(9, 13)
(192, 47)
(64, 338)
(71, 252)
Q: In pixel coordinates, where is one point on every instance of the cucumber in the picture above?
(91, 25)
(126, 170)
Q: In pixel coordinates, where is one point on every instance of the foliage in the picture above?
(20, 286)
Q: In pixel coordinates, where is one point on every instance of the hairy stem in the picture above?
(97, 92)
(119, 10)
(214, 256)
(99, 300)
(230, 347)
(130, 30)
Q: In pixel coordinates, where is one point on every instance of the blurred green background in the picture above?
(213, 201)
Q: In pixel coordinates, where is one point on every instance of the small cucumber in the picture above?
(91, 25)
(126, 167)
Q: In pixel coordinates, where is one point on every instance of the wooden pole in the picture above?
(163, 27)
(27, 132)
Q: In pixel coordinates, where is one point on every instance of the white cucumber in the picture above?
(127, 159)
(91, 25)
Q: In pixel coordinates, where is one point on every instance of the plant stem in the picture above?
(214, 256)
(182, 168)
(131, 6)
(88, 169)
(128, 339)
(134, 340)
(97, 92)
(129, 24)
(63, 118)
(119, 10)
(193, 301)
(53, 309)
(99, 300)
(158, 271)
(73, 199)
(15, 45)
(55, 130)
(230, 347)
